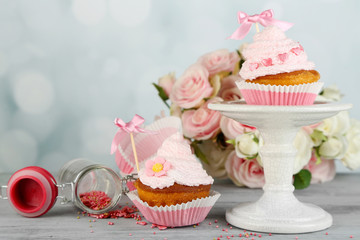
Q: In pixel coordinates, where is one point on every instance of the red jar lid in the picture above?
(32, 191)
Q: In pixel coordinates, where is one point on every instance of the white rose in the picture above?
(335, 147)
(216, 158)
(352, 156)
(331, 93)
(247, 145)
(304, 145)
(336, 125)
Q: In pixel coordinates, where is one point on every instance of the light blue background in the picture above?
(68, 68)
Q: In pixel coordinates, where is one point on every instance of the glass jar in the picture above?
(94, 188)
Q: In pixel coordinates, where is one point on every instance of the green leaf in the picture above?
(231, 141)
(253, 157)
(162, 94)
(241, 63)
(199, 153)
(318, 135)
(302, 179)
(317, 155)
(256, 139)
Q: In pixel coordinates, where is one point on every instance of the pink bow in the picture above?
(131, 127)
(265, 19)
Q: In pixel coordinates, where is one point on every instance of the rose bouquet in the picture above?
(229, 149)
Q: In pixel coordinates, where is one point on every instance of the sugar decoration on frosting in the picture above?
(281, 56)
(157, 167)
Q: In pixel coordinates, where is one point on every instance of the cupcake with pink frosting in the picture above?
(276, 71)
(173, 189)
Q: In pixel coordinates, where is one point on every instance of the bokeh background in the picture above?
(69, 67)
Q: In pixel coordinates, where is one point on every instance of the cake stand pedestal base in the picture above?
(294, 217)
(278, 210)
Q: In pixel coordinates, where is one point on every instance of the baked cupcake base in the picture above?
(172, 195)
(178, 215)
(288, 78)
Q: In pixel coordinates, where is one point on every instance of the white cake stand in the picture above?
(278, 210)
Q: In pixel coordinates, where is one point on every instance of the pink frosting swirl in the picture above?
(185, 168)
(273, 53)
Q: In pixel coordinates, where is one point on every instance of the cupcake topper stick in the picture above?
(131, 127)
(265, 18)
(134, 150)
(257, 27)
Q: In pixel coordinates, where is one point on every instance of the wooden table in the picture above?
(341, 198)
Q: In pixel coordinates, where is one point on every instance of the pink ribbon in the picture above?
(131, 127)
(265, 18)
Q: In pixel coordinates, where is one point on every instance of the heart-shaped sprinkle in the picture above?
(297, 50)
(283, 57)
(267, 62)
(253, 66)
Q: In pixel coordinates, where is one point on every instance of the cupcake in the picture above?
(173, 189)
(276, 71)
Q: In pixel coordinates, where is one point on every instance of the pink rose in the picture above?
(323, 172)
(310, 129)
(229, 91)
(232, 128)
(203, 123)
(232, 166)
(166, 82)
(192, 87)
(245, 172)
(219, 61)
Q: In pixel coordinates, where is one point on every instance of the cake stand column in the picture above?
(278, 155)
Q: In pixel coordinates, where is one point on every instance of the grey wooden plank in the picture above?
(340, 197)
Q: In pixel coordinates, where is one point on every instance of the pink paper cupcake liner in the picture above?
(178, 215)
(259, 94)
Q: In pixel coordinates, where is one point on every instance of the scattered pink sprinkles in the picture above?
(142, 223)
(95, 200)
(125, 212)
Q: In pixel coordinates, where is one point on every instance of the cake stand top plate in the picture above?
(256, 115)
(241, 106)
